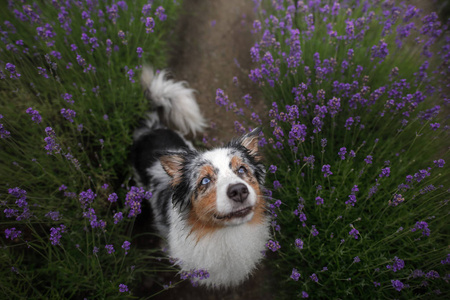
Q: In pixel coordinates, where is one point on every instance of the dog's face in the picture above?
(221, 187)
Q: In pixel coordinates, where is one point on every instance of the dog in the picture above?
(208, 205)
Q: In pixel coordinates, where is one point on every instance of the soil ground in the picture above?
(211, 46)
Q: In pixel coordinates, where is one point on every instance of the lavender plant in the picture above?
(357, 146)
(69, 103)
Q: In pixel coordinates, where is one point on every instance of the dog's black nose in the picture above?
(237, 192)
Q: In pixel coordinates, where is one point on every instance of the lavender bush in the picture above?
(69, 102)
(357, 147)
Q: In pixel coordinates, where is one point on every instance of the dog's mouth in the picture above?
(236, 214)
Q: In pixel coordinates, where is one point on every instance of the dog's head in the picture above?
(220, 187)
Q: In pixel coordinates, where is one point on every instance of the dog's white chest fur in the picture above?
(229, 254)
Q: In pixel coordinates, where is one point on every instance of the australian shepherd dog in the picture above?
(208, 205)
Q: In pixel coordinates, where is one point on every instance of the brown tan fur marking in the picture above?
(201, 216)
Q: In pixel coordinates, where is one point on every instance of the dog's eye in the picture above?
(242, 170)
(205, 181)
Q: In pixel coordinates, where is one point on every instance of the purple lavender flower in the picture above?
(95, 223)
(121, 35)
(354, 233)
(397, 264)
(10, 212)
(149, 24)
(368, 159)
(439, 163)
(422, 225)
(35, 116)
(13, 74)
(43, 72)
(295, 274)
(326, 170)
(86, 198)
(380, 51)
(123, 5)
(126, 246)
(130, 74)
(123, 288)
(133, 200)
(3, 132)
(52, 146)
(351, 200)
(319, 201)
(85, 38)
(256, 26)
(314, 230)
(112, 13)
(194, 275)
(356, 259)
(55, 234)
(398, 198)
(435, 126)
(68, 114)
(385, 172)
(421, 175)
(139, 52)
(19, 193)
(12, 233)
(221, 98)
(298, 132)
(110, 249)
(299, 244)
(160, 13)
(54, 215)
(314, 277)
(113, 197)
(277, 185)
(432, 275)
(272, 169)
(446, 261)
(146, 9)
(348, 123)
(335, 8)
(273, 245)
(302, 217)
(397, 284)
(305, 294)
(81, 61)
(68, 98)
(334, 106)
(342, 153)
(118, 217)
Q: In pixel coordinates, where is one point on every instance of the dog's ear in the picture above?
(250, 142)
(173, 165)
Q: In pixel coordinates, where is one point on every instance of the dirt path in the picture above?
(213, 42)
(212, 46)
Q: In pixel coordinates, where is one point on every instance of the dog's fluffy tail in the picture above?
(174, 102)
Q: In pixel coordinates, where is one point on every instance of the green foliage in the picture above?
(97, 78)
(400, 206)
